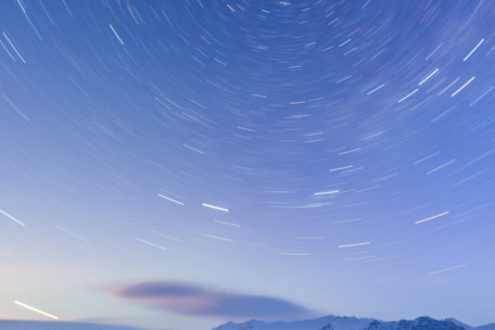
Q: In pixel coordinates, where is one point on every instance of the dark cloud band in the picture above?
(192, 299)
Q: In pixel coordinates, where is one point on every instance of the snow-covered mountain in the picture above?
(39, 325)
(352, 323)
(336, 323)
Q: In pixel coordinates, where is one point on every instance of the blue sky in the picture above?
(324, 157)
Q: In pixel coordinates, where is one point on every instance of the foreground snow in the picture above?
(57, 325)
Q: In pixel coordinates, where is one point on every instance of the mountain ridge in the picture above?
(331, 322)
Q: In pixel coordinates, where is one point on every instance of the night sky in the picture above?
(182, 163)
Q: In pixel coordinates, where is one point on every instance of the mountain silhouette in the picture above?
(331, 322)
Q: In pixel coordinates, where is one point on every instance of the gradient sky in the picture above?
(163, 161)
